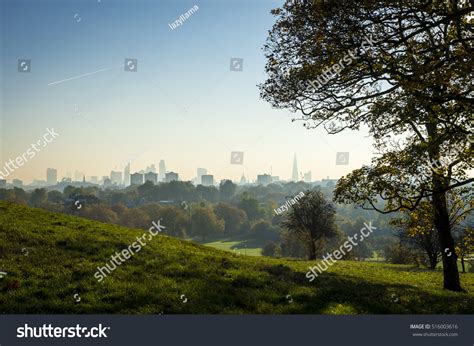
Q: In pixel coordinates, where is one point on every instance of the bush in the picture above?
(399, 254)
(271, 250)
(264, 230)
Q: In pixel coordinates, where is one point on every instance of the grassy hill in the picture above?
(50, 260)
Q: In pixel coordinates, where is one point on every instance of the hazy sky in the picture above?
(183, 104)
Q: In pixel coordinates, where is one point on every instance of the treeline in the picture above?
(204, 213)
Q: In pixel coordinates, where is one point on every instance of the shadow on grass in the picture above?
(329, 293)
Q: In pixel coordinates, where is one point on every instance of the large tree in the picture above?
(402, 69)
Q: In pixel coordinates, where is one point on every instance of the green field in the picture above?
(237, 246)
(50, 260)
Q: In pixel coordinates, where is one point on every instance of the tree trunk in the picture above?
(441, 221)
(312, 250)
(433, 262)
(462, 264)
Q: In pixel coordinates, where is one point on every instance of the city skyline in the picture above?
(123, 178)
(183, 103)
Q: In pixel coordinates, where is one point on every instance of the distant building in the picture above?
(207, 180)
(264, 179)
(275, 178)
(200, 173)
(307, 177)
(78, 176)
(294, 176)
(162, 170)
(116, 177)
(51, 176)
(151, 176)
(107, 182)
(126, 175)
(171, 176)
(243, 180)
(3, 184)
(17, 183)
(136, 179)
(94, 179)
(151, 169)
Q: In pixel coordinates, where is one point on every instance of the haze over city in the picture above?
(179, 106)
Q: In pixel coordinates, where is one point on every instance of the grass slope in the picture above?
(51, 257)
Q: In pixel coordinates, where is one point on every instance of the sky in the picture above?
(183, 104)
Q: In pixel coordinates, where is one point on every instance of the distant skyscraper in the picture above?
(207, 179)
(126, 175)
(136, 179)
(116, 177)
(200, 173)
(171, 176)
(264, 179)
(51, 176)
(162, 170)
(307, 177)
(151, 176)
(294, 176)
(243, 180)
(3, 184)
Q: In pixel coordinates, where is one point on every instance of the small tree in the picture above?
(312, 220)
(38, 197)
(232, 216)
(264, 230)
(227, 189)
(251, 207)
(418, 226)
(204, 223)
(465, 245)
(271, 250)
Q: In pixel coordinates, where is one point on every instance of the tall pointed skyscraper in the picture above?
(294, 176)
(243, 180)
